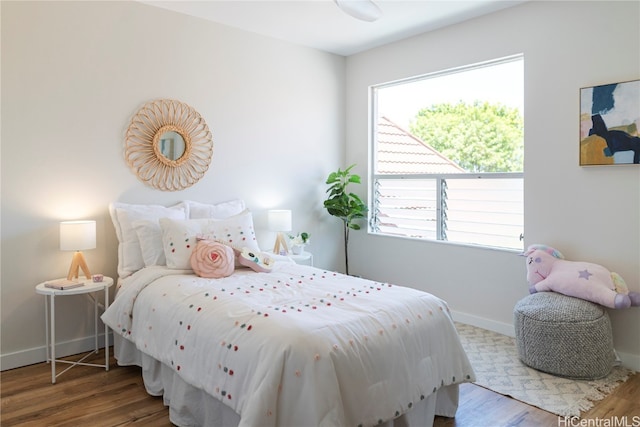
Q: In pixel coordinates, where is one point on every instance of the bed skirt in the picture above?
(190, 406)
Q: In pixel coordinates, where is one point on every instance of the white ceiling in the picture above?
(322, 25)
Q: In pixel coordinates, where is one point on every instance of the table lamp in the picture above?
(77, 236)
(279, 220)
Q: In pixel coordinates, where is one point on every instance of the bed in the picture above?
(293, 346)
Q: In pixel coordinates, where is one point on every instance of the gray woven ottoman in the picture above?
(564, 336)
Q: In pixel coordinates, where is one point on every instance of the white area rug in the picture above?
(494, 358)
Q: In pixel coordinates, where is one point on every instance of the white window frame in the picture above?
(441, 179)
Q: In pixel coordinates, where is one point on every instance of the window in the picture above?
(448, 153)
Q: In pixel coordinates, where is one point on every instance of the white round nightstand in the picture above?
(88, 287)
(305, 258)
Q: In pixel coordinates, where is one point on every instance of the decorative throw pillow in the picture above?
(179, 237)
(236, 231)
(259, 262)
(212, 259)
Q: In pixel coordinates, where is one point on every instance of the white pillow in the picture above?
(218, 211)
(150, 234)
(179, 239)
(179, 236)
(236, 231)
(150, 238)
(123, 216)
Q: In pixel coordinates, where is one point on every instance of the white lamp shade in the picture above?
(77, 235)
(279, 220)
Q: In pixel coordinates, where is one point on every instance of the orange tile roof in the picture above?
(400, 152)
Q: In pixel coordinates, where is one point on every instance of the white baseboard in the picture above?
(481, 322)
(628, 360)
(39, 354)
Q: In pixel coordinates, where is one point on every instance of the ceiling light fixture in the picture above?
(365, 10)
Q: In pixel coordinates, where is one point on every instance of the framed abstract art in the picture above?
(609, 122)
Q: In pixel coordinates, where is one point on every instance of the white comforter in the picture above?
(295, 347)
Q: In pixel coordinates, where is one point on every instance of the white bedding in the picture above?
(296, 347)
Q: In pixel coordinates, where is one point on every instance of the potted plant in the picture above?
(345, 205)
(298, 242)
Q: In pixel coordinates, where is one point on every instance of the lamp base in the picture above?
(77, 263)
(280, 245)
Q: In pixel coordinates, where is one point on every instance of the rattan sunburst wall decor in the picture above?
(168, 145)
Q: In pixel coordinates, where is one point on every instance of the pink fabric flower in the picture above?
(212, 259)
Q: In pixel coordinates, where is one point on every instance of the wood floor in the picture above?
(88, 396)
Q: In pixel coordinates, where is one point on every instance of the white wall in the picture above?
(590, 214)
(73, 75)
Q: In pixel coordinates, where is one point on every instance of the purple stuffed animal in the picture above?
(547, 270)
